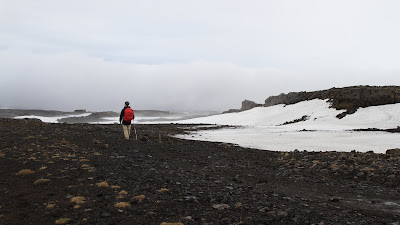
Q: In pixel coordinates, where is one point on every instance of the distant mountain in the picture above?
(11, 113)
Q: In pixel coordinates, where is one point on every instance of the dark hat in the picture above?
(126, 103)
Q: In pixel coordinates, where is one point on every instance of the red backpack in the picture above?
(128, 115)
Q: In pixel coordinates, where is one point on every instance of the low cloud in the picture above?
(72, 80)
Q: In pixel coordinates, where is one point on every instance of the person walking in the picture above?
(125, 118)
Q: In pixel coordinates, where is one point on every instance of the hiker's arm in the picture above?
(121, 115)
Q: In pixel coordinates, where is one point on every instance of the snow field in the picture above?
(262, 128)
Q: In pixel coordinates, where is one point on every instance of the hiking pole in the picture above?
(134, 128)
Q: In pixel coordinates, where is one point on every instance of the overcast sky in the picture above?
(184, 55)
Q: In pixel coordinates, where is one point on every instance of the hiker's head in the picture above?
(126, 103)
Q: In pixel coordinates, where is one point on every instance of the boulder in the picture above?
(394, 151)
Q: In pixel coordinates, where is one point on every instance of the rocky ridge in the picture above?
(347, 98)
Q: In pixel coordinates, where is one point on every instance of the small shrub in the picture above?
(41, 181)
(163, 190)
(63, 220)
(164, 223)
(78, 200)
(102, 184)
(43, 168)
(25, 172)
(50, 206)
(122, 205)
(139, 198)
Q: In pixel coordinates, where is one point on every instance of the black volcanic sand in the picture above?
(76, 174)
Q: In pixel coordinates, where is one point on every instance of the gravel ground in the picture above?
(88, 174)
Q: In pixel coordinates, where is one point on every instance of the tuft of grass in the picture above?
(41, 181)
(50, 206)
(43, 168)
(115, 187)
(78, 200)
(238, 205)
(123, 192)
(63, 220)
(368, 169)
(84, 160)
(64, 142)
(164, 223)
(163, 190)
(140, 198)
(95, 141)
(102, 184)
(25, 172)
(316, 162)
(122, 205)
(2, 154)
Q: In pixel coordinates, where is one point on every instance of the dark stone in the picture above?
(394, 151)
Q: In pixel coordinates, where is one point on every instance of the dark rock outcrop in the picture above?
(348, 98)
(80, 111)
(246, 105)
(303, 118)
(232, 111)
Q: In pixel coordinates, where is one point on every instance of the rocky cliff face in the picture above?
(350, 98)
(347, 98)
